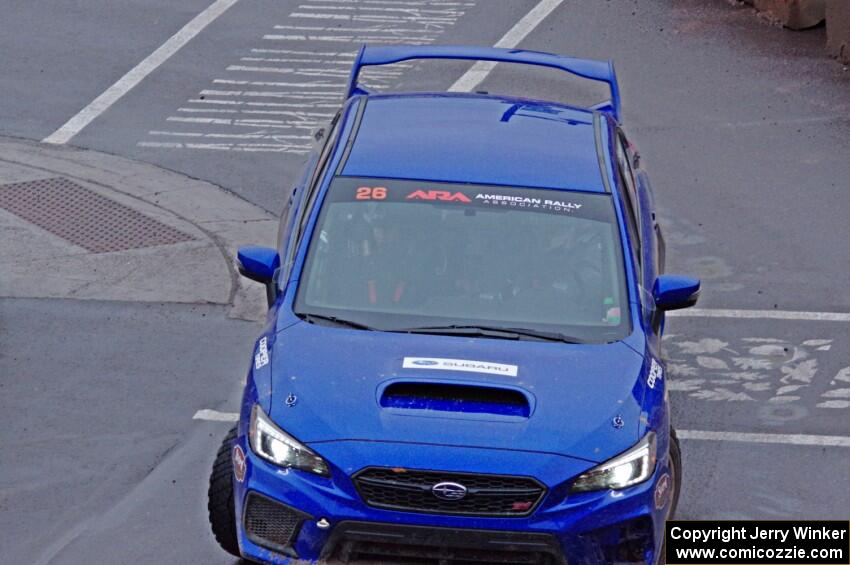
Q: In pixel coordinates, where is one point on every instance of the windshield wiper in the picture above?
(492, 332)
(312, 318)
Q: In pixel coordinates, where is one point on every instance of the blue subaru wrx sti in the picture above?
(462, 357)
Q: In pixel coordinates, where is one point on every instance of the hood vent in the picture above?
(475, 399)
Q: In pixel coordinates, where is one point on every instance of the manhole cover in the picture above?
(84, 217)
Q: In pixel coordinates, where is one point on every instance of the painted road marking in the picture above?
(276, 137)
(738, 437)
(216, 416)
(787, 439)
(314, 79)
(245, 147)
(763, 314)
(261, 104)
(126, 83)
(393, 40)
(779, 378)
(479, 71)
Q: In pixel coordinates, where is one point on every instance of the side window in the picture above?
(633, 219)
(326, 149)
(307, 199)
(627, 172)
(629, 197)
(285, 218)
(321, 165)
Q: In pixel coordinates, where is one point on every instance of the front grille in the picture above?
(361, 543)
(271, 524)
(626, 542)
(411, 491)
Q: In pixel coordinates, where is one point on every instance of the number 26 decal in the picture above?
(369, 193)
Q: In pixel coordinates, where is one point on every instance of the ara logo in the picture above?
(239, 463)
(442, 195)
(662, 491)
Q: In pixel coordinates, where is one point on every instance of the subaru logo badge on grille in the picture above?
(449, 491)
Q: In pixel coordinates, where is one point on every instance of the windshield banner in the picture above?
(581, 204)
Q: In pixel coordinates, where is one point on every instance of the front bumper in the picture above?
(331, 522)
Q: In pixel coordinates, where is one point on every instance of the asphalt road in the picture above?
(742, 126)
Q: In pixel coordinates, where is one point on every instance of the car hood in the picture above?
(332, 384)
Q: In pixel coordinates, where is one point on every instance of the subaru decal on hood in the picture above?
(464, 365)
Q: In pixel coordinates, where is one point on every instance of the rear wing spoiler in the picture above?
(602, 71)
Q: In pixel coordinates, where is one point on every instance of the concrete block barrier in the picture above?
(838, 29)
(794, 14)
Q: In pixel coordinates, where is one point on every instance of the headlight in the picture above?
(627, 469)
(274, 445)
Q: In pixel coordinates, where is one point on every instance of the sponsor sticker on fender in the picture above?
(261, 359)
(656, 373)
(465, 365)
(239, 463)
(662, 491)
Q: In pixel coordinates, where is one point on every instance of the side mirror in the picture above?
(259, 264)
(672, 292)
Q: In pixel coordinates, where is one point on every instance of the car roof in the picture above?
(473, 138)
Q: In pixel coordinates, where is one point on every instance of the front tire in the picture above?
(220, 502)
(676, 471)
(675, 457)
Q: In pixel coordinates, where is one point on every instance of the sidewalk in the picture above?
(81, 224)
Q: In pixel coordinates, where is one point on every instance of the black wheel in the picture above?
(220, 497)
(675, 455)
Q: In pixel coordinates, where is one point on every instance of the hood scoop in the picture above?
(453, 397)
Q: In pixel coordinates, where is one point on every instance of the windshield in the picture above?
(400, 255)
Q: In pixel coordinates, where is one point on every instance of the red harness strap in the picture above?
(373, 291)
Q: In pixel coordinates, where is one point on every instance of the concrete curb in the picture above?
(40, 264)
